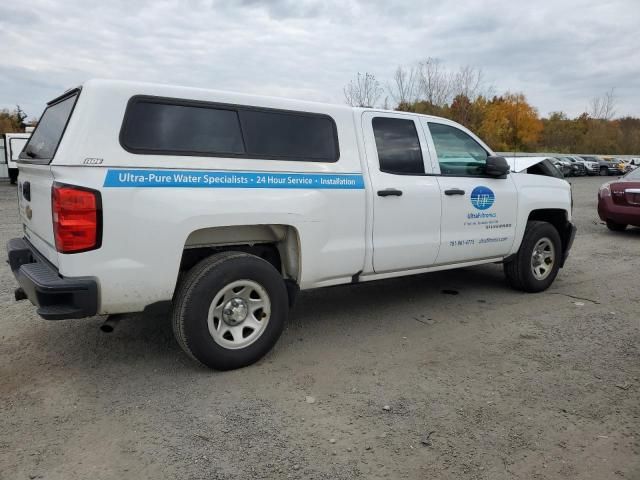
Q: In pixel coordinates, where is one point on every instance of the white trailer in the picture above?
(4, 173)
(13, 145)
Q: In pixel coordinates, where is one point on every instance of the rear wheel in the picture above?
(538, 260)
(616, 227)
(230, 310)
(604, 172)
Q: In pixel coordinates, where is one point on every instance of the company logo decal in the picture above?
(482, 198)
(209, 179)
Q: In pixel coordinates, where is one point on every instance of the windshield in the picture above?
(44, 142)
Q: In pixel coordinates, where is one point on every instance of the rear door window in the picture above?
(44, 142)
(398, 146)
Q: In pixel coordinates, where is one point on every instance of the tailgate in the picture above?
(34, 201)
(36, 178)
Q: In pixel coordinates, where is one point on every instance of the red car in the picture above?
(619, 201)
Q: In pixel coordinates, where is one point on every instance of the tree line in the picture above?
(12, 120)
(506, 122)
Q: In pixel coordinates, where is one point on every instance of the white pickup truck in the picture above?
(222, 206)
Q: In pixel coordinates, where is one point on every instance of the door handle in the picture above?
(390, 192)
(454, 191)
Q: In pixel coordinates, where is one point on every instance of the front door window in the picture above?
(459, 155)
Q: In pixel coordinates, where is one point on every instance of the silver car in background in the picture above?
(591, 164)
(578, 168)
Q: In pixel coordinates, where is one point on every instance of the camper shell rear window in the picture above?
(43, 143)
(167, 126)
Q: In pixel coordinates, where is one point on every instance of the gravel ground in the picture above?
(393, 379)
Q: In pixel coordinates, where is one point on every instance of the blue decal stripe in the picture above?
(210, 179)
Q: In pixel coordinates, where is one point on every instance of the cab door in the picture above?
(478, 211)
(406, 200)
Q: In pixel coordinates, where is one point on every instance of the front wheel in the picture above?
(604, 171)
(537, 262)
(229, 310)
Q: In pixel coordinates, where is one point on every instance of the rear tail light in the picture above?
(617, 194)
(77, 218)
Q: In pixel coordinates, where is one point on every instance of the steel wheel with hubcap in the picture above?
(542, 258)
(536, 264)
(229, 310)
(239, 314)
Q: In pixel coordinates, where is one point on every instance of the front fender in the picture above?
(537, 193)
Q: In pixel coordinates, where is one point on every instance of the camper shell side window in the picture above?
(168, 126)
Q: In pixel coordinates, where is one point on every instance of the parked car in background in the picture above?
(534, 166)
(594, 164)
(614, 166)
(628, 165)
(578, 168)
(625, 165)
(591, 164)
(619, 201)
(563, 166)
(618, 162)
(606, 167)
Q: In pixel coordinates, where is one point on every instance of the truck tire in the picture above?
(604, 171)
(13, 176)
(616, 227)
(538, 260)
(229, 310)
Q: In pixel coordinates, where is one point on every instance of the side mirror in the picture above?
(497, 167)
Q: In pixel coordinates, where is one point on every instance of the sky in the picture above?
(560, 53)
